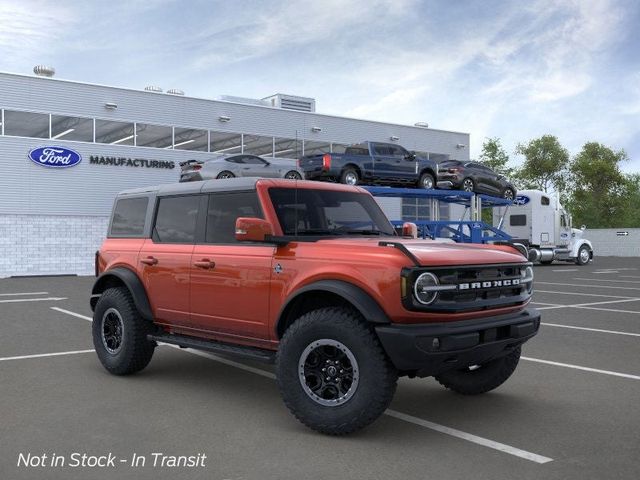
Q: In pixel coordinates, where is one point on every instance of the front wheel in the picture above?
(482, 378)
(426, 181)
(584, 255)
(349, 177)
(120, 333)
(332, 372)
(468, 185)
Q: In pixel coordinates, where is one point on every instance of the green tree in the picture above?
(495, 157)
(545, 165)
(600, 192)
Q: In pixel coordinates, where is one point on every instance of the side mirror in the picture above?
(409, 229)
(252, 229)
(410, 156)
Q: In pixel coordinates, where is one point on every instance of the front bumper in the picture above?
(430, 349)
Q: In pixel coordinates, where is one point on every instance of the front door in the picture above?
(165, 259)
(230, 280)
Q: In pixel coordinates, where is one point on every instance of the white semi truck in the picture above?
(537, 220)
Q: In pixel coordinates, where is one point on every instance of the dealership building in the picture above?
(52, 220)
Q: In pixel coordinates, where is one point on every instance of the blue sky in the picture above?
(515, 70)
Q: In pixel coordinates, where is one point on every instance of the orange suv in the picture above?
(313, 277)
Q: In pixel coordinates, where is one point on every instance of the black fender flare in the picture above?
(361, 300)
(133, 284)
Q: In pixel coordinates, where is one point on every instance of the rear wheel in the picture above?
(349, 177)
(482, 378)
(332, 372)
(584, 255)
(426, 181)
(467, 185)
(293, 175)
(120, 333)
(225, 174)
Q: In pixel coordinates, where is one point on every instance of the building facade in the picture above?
(53, 219)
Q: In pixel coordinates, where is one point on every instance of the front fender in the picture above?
(578, 244)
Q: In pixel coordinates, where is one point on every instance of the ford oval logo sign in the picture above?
(55, 157)
(521, 200)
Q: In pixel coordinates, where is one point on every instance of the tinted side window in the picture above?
(253, 160)
(128, 217)
(544, 201)
(518, 220)
(223, 211)
(176, 219)
(381, 149)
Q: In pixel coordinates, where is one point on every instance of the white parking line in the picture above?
(41, 355)
(582, 294)
(587, 286)
(578, 367)
(566, 270)
(73, 314)
(610, 310)
(24, 293)
(47, 299)
(615, 332)
(533, 457)
(629, 276)
(606, 280)
(589, 305)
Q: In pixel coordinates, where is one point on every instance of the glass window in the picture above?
(227, 143)
(157, 136)
(357, 150)
(190, 139)
(115, 133)
(287, 148)
(316, 148)
(518, 220)
(128, 217)
(223, 211)
(339, 148)
(238, 159)
(328, 213)
(253, 160)
(176, 219)
(26, 124)
(544, 200)
(257, 145)
(71, 128)
(397, 151)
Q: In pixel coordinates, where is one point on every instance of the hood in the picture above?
(442, 253)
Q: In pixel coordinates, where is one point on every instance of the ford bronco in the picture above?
(312, 277)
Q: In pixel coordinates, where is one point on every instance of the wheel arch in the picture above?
(430, 171)
(354, 166)
(123, 277)
(325, 293)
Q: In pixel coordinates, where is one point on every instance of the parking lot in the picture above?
(571, 410)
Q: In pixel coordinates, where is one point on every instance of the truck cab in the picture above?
(538, 220)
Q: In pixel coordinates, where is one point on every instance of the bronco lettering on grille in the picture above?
(510, 282)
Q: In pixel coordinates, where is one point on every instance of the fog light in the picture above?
(435, 344)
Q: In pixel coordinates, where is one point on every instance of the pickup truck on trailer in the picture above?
(311, 276)
(372, 163)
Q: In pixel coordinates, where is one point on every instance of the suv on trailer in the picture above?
(311, 276)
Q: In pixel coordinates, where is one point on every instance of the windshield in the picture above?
(327, 212)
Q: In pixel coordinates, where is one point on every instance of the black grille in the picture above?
(474, 298)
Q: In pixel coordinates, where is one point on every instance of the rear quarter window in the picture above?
(176, 219)
(128, 217)
(518, 220)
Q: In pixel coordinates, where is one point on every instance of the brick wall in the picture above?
(49, 245)
(607, 242)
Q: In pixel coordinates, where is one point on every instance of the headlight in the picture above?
(425, 289)
(526, 277)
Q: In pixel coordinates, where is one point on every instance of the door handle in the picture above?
(149, 260)
(205, 263)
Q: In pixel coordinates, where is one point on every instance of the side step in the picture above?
(184, 341)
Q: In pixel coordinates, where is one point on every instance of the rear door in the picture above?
(165, 259)
(230, 280)
(405, 165)
(383, 161)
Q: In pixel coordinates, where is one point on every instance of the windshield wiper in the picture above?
(316, 231)
(365, 232)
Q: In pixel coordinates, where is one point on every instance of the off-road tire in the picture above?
(346, 173)
(136, 351)
(377, 376)
(424, 178)
(225, 174)
(487, 377)
(579, 260)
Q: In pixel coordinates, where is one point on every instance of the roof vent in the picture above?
(292, 102)
(175, 91)
(44, 71)
(153, 88)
